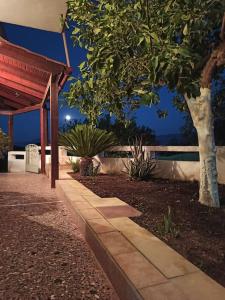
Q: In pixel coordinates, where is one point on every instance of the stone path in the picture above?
(43, 255)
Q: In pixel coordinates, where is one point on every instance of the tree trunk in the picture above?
(86, 166)
(201, 112)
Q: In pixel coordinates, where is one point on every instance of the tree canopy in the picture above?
(135, 47)
(125, 132)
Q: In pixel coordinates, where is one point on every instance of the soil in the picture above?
(197, 232)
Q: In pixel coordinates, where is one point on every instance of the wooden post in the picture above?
(66, 48)
(54, 131)
(10, 131)
(43, 121)
(46, 128)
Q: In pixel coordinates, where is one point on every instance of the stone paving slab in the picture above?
(101, 226)
(167, 260)
(105, 202)
(90, 213)
(139, 265)
(118, 211)
(116, 243)
(139, 270)
(199, 286)
(166, 291)
(81, 205)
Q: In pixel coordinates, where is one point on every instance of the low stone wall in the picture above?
(14, 163)
(167, 169)
(139, 265)
(176, 170)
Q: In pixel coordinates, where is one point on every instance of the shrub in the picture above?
(86, 141)
(142, 165)
(4, 144)
(75, 166)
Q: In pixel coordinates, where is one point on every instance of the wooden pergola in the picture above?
(27, 81)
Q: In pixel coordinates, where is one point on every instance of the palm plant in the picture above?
(87, 141)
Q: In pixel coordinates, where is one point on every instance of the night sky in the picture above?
(51, 45)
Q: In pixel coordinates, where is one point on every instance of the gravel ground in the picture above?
(43, 255)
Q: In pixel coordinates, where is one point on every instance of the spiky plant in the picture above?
(142, 165)
(87, 141)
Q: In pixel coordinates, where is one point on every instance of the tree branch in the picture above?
(222, 32)
(216, 60)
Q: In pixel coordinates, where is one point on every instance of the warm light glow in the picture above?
(68, 117)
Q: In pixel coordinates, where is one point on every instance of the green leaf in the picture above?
(155, 36)
(81, 66)
(140, 91)
(185, 30)
(97, 30)
(89, 56)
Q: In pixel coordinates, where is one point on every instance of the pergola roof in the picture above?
(40, 14)
(25, 77)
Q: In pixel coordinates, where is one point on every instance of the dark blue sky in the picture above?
(51, 45)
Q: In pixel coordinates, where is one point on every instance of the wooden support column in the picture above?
(66, 48)
(46, 128)
(43, 127)
(10, 131)
(54, 131)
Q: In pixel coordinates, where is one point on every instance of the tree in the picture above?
(218, 106)
(83, 96)
(135, 47)
(127, 132)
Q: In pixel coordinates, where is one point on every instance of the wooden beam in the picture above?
(18, 94)
(47, 90)
(23, 72)
(64, 78)
(37, 61)
(10, 131)
(23, 81)
(4, 106)
(6, 112)
(43, 121)
(21, 88)
(14, 98)
(11, 104)
(54, 131)
(26, 109)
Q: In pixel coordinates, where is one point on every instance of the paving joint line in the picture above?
(26, 204)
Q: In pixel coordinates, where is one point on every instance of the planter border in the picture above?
(138, 264)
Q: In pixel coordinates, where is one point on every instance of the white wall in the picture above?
(16, 165)
(178, 170)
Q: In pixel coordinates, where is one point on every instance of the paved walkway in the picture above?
(42, 254)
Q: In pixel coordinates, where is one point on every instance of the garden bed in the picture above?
(199, 231)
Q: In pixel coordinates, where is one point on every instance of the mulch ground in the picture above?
(43, 255)
(199, 231)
